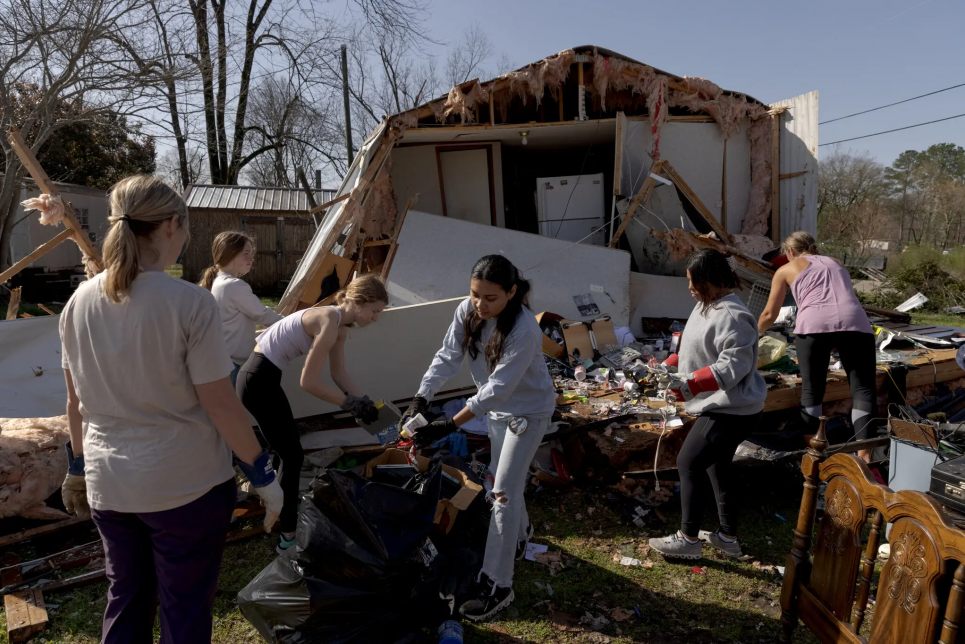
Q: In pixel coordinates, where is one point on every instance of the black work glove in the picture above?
(363, 409)
(419, 405)
(425, 436)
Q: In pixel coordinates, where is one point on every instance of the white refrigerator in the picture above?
(570, 208)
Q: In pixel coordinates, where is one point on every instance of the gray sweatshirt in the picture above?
(519, 385)
(724, 339)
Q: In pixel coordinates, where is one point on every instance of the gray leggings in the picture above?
(512, 456)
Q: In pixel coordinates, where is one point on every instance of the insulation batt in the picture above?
(51, 208)
(33, 464)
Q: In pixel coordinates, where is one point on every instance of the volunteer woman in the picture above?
(233, 254)
(829, 316)
(503, 342)
(153, 421)
(718, 381)
(320, 333)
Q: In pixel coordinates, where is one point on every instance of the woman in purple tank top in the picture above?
(829, 316)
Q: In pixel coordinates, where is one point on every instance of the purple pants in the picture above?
(173, 556)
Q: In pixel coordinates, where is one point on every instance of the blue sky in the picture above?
(858, 54)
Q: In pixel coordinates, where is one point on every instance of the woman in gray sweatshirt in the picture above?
(718, 381)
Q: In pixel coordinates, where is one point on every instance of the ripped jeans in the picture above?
(511, 458)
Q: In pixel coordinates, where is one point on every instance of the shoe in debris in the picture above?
(522, 544)
(729, 548)
(676, 546)
(284, 544)
(490, 600)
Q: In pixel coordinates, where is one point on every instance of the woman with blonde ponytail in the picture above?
(233, 254)
(829, 316)
(320, 335)
(153, 423)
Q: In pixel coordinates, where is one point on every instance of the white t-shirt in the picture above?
(148, 443)
(240, 309)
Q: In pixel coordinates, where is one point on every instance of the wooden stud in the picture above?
(668, 171)
(26, 614)
(36, 171)
(867, 571)
(39, 252)
(13, 306)
(580, 93)
(618, 157)
(643, 195)
(723, 190)
(376, 242)
(334, 201)
(791, 175)
(45, 309)
(775, 180)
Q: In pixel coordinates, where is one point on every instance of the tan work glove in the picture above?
(74, 493)
(273, 499)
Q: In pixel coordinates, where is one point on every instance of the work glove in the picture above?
(432, 432)
(266, 486)
(687, 386)
(671, 363)
(363, 409)
(74, 489)
(419, 405)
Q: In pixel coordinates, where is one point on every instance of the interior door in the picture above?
(466, 183)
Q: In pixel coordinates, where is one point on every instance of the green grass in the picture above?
(732, 602)
(939, 319)
(271, 302)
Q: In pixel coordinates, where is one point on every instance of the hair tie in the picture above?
(125, 217)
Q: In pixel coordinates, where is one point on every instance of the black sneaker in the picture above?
(521, 545)
(491, 600)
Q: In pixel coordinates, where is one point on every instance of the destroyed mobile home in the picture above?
(595, 174)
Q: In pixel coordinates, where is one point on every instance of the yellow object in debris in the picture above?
(770, 348)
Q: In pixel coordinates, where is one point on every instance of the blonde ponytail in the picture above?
(138, 206)
(225, 247)
(364, 289)
(801, 242)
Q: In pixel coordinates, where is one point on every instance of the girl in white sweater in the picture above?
(233, 254)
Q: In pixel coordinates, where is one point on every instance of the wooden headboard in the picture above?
(921, 589)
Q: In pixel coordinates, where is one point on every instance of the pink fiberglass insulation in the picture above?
(678, 245)
(33, 464)
(51, 208)
(463, 104)
(533, 80)
(380, 211)
(759, 206)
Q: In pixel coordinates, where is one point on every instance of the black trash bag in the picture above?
(449, 582)
(355, 567)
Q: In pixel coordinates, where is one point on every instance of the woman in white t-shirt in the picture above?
(153, 423)
(233, 254)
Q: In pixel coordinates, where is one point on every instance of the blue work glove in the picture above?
(73, 491)
(263, 479)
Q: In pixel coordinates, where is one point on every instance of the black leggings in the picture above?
(705, 457)
(259, 387)
(857, 351)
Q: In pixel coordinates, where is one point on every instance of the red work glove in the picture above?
(700, 381)
(672, 361)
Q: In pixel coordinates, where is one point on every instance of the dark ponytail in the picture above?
(500, 271)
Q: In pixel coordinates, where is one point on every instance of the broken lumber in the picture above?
(39, 252)
(47, 186)
(13, 306)
(668, 171)
(23, 535)
(643, 195)
(26, 614)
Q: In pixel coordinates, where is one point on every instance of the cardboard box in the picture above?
(448, 509)
(550, 347)
(577, 336)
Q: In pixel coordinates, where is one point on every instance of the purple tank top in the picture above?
(825, 299)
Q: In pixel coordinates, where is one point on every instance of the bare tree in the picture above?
(468, 56)
(60, 64)
(851, 194)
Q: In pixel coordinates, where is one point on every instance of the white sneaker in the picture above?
(729, 548)
(676, 546)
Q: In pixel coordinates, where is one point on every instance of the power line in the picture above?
(897, 129)
(841, 118)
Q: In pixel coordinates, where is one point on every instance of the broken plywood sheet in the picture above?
(33, 465)
(386, 359)
(436, 256)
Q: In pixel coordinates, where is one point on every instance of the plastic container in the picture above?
(412, 426)
(450, 632)
(580, 373)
